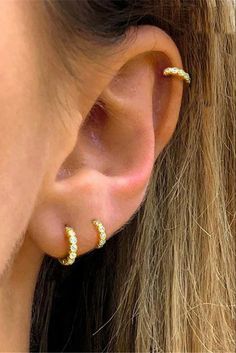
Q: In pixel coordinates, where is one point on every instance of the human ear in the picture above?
(105, 173)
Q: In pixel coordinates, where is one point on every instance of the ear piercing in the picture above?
(101, 232)
(72, 240)
(179, 73)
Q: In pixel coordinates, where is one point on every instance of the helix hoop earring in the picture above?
(177, 72)
(101, 232)
(73, 247)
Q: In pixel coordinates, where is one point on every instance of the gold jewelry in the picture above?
(72, 238)
(101, 232)
(179, 73)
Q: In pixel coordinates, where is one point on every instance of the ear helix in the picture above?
(73, 241)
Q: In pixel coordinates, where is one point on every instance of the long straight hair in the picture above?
(166, 281)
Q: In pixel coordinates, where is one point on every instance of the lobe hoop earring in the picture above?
(101, 232)
(177, 72)
(72, 239)
(73, 247)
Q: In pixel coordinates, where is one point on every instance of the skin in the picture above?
(55, 167)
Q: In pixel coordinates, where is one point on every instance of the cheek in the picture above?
(23, 124)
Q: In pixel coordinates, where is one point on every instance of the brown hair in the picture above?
(166, 282)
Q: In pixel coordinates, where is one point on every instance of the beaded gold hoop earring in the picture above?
(73, 248)
(177, 72)
(72, 239)
(101, 232)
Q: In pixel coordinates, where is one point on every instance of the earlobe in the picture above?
(108, 170)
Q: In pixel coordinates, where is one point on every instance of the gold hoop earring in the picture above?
(179, 73)
(101, 232)
(73, 248)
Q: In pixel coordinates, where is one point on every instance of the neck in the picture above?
(16, 297)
